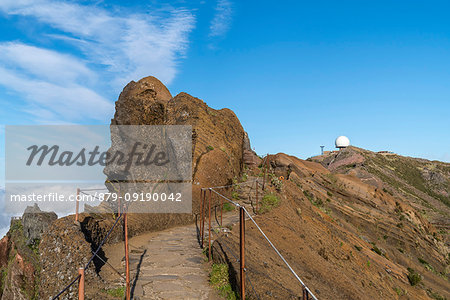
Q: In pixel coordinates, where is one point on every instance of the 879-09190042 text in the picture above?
(129, 197)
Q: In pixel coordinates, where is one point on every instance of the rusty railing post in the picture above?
(257, 198)
(305, 294)
(203, 196)
(242, 250)
(81, 284)
(127, 259)
(221, 211)
(264, 177)
(209, 226)
(119, 208)
(199, 217)
(77, 206)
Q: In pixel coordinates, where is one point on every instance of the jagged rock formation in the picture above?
(217, 144)
(19, 265)
(35, 222)
(64, 248)
(250, 157)
(218, 137)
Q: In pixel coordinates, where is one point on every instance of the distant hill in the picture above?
(425, 183)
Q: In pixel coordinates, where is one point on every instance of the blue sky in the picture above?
(296, 73)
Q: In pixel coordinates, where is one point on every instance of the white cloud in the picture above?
(132, 46)
(222, 18)
(115, 48)
(48, 64)
(53, 102)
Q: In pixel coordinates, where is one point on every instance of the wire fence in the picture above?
(95, 253)
(307, 294)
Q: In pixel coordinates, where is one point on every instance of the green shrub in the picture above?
(359, 248)
(117, 292)
(228, 207)
(235, 195)
(210, 148)
(244, 177)
(399, 291)
(268, 202)
(219, 279)
(435, 295)
(377, 250)
(318, 202)
(309, 195)
(277, 183)
(413, 277)
(329, 194)
(426, 264)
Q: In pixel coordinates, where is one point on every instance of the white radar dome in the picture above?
(342, 142)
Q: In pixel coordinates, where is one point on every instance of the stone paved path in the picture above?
(168, 264)
(171, 266)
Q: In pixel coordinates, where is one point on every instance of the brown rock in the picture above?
(4, 251)
(142, 103)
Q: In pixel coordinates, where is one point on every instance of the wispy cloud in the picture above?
(113, 46)
(221, 21)
(51, 83)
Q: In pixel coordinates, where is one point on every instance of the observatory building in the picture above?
(342, 142)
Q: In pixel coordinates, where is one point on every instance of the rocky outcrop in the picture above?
(64, 249)
(35, 222)
(19, 265)
(218, 143)
(142, 103)
(250, 158)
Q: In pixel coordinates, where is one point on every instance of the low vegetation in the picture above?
(277, 183)
(435, 295)
(426, 264)
(219, 279)
(414, 277)
(117, 292)
(268, 202)
(227, 207)
(399, 291)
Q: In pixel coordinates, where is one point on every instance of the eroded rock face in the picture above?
(218, 139)
(36, 222)
(142, 103)
(18, 264)
(63, 250)
(20, 275)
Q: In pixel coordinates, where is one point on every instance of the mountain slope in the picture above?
(425, 184)
(346, 238)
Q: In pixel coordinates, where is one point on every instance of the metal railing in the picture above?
(243, 212)
(80, 278)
